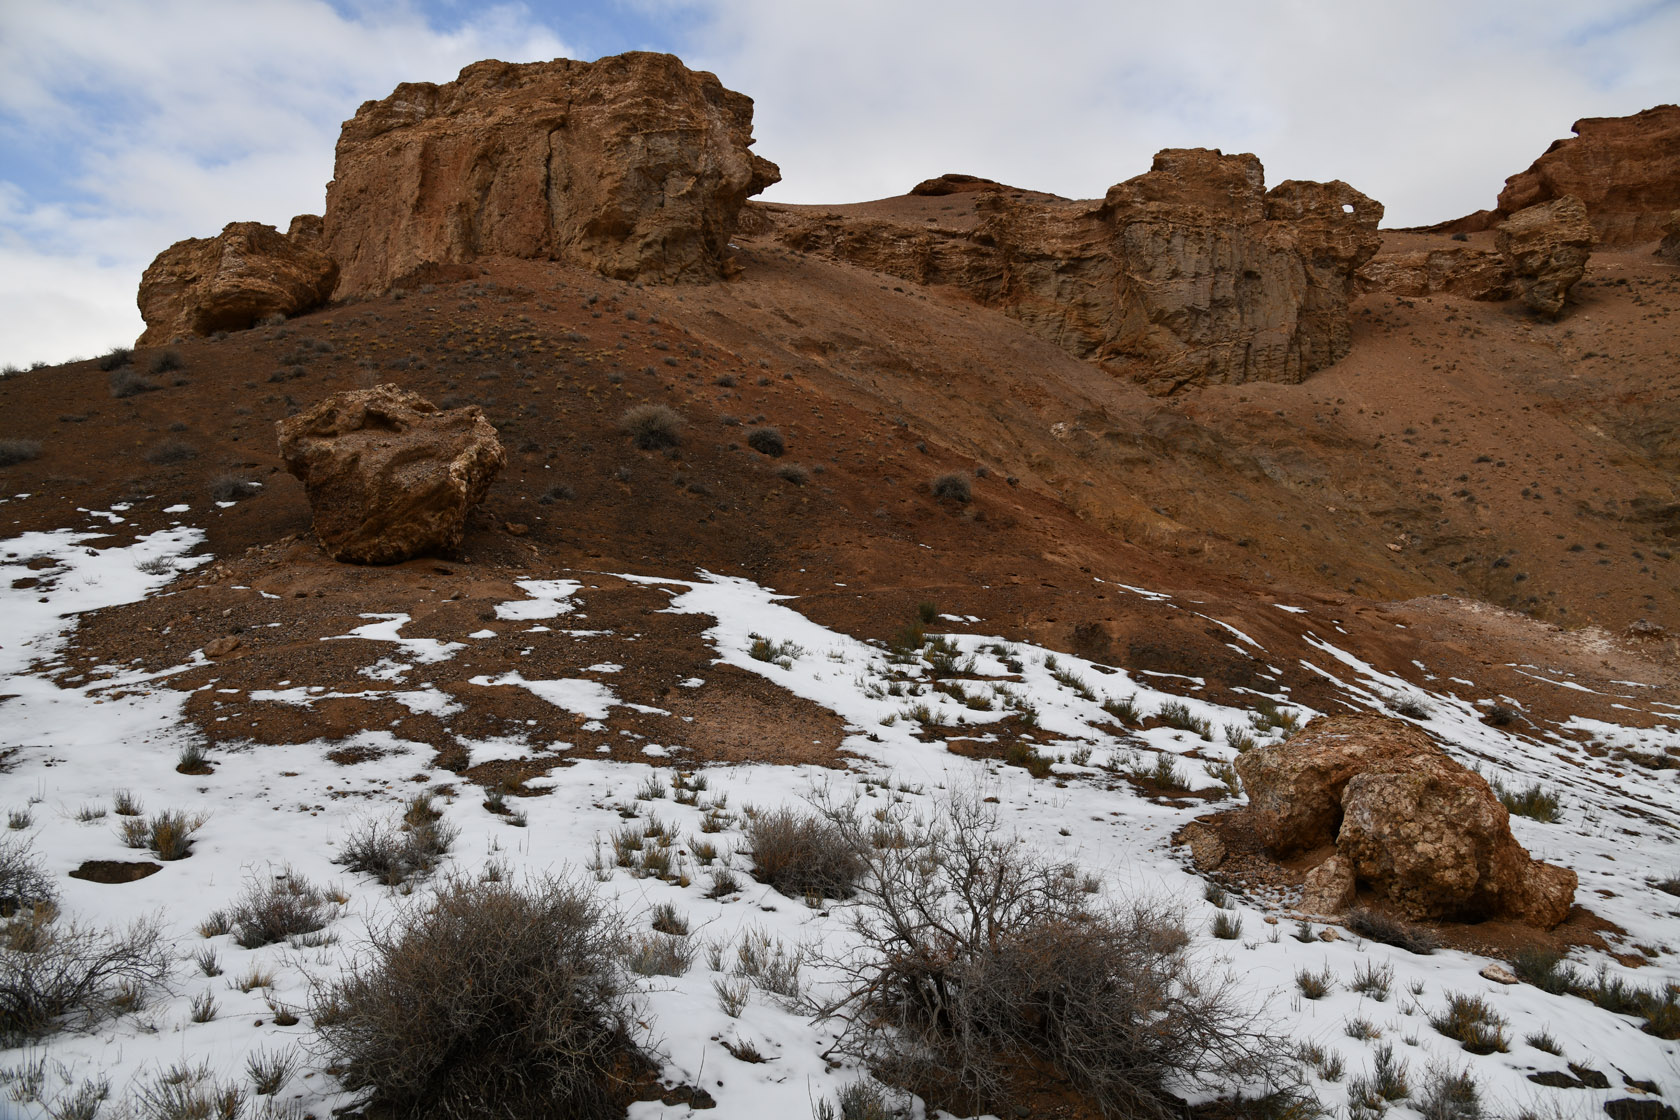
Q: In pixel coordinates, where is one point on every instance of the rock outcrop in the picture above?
(231, 281)
(1295, 788)
(1669, 249)
(633, 165)
(1625, 171)
(954, 182)
(1432, 840)
(1427, 836)
(1460, 271)
(1191, 273)
(1546, 248)
(388, 474)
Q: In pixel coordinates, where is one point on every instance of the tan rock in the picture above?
(1295, 787)
(1207, 850)
(1191, 273)
(229, 282)
(633, 165)
(1499, 974)
(1624, 170)
(1461, 271)
(1329, 888)
(220, 647)
(1546, 248)
(389, 475)
(1432, 840)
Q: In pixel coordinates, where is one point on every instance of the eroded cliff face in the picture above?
(635, 166)
(233, 280)
(1191, 273)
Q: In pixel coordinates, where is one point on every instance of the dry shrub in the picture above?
(494, 999)
(18, 451)
(398, 851)
(285, 906)
(767, 441)
(652, 427)
(1391, 931)
(52, 972)
(981, 964)
(803, 854)
(953, 487)
(22, 881)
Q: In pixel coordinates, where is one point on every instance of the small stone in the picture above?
(221, 647)
(1329, 935)
(1499, 974)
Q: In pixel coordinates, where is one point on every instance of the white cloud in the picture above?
(1426, 105)
(176, 117)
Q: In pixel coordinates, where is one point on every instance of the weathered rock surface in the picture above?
(1425, 834)
(231, 281)
(1207, 850)
(1625, 171)
(1329, 888)
(1669, 249)
(1191, 273)
(1546, 248)
(1431, 838)
(388, 474)
(1460, 271)
(954, 182)
(633, 165)
(1295, 787)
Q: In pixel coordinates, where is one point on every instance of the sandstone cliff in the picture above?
(1191, 273)
(634, 165)
(244, 274)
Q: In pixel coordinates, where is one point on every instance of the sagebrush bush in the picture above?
(490, 999)
(115, 358)
(13, 451)
(53, 973)
(953, 487)
(275, 907)
(803, 854)
(1391, 931)
(979, 960)
(166, 452)
(164, 361)
(125, 381)
(23, 882)
(767, 441)
(652, 427)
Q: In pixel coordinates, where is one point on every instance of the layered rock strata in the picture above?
(1191, 273)
(635, 166)
(1546, 249)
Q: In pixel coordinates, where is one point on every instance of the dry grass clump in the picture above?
(1472, 1021)
(1391, 931)
(169, 451)
(491, 999)
(802, 855)
(168, 834)
(980, 963)
(652, 427)
(396, 852)
(126, 381)
(953, 487)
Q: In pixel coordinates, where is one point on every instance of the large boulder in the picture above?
(1433, 841)
(1546, 248)
(1295, 787)
(389, 475)
(231, 281)
(634, 165)
(1191, 273)
(1669, 248)
(1427, 836)
(1625, 171)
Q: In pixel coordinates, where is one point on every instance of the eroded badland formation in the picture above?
(1453, 453)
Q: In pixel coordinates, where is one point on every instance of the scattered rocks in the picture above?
(633, 165)
(231, 281)
(1546, 248)
(390, 475)
(220, 647)
(1425, 834)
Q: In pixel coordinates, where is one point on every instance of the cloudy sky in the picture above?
(128, 125)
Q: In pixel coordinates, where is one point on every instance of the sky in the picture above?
(126, 126)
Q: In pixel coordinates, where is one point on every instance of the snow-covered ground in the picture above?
(284, 808)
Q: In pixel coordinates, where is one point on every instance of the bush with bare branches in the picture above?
(980, 963)
(493, 999)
